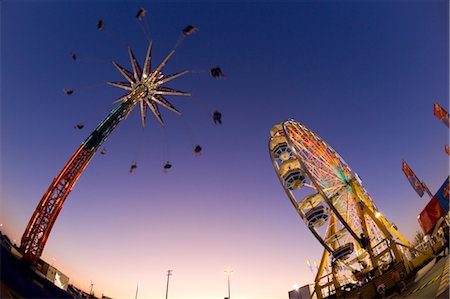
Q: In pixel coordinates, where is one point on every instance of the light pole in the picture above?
(137, 289)
(228, 272)
(169, 272)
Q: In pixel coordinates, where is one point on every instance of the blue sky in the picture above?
(362, 75)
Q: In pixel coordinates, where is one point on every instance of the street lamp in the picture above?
(228, 272)
(169, 273)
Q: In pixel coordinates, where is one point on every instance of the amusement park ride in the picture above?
(358, 241)
(145, 88)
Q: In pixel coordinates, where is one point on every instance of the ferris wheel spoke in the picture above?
(333, 188)
(323, 181)
(307, 147)
(314, 164)
(308, 140)
(316, 161)
(319, 158)
(322, 176)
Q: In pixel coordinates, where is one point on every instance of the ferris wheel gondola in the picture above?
(335, 206)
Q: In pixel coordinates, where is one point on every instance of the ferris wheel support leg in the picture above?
(323, 262)
(361, 210)
(335, 275)
(381, 219)
(381, 224)
(334, 270)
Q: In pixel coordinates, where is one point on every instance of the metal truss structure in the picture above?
(146, 89)
(358, 240)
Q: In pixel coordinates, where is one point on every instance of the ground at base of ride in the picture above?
(432, 281)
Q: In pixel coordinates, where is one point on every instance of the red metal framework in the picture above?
(145, 87)
(39, 227)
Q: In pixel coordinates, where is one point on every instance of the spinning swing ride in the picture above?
(359, 243)
(145, 89)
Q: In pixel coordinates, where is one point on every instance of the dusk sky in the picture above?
(362, 75)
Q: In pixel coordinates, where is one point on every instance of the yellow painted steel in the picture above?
(381, 221)
(382, 225)
(323, 262)
(361, 211)
(365, 213)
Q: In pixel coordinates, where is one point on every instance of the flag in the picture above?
(447, 149)
(425, 188)
(430, 215)
(441, 114)
(412, 178)
(443, 194)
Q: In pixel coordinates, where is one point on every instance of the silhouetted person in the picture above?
(364, 241)
(217, 117)
(381, 290)
(100, 24)
(217, 72)
(141, 13)
(197, 150)
(188, 30)
(167, 166)
(133, 167)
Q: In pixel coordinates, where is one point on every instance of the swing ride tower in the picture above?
(360, 245)
(145, 88)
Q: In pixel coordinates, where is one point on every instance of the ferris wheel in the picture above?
(334, 205)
